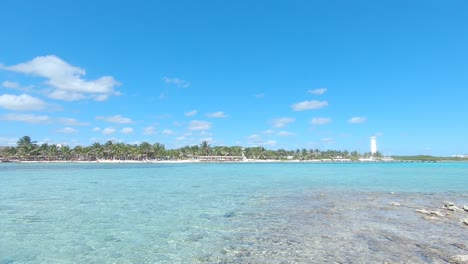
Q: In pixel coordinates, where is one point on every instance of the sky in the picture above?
(294, 74)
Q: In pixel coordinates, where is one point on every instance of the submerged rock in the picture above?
(459, 245)
(229, 214)
(436, 213)
(451, 206)
(465, 221)
(459, 259)
(423, 211)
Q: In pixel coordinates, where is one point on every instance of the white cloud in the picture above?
(281, 122)
(167, 132)
(108, 131)
(22, 102)
(163, 96)
(271, 143)
(269, 132)
(127, 130)
(150, 130)
(115, 119)
(318, 91)
(191, 113)
(8, 141)
(308, 105)
(254, 137)
(285, 133)
(67, 130)
(180, 138)
(357, 120)
(176, 81)
(17, 86)
(216, 115)
(28, 118)
(254, 140)
(208, 139)
(71, 122)
(66, 95)
(11, 85)
(320, 120)
(66, 80)
(199, 125)
(96, 129)
(328, 140)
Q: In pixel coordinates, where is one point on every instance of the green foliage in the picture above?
(27, 149)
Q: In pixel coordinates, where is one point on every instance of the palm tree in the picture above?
(52, 152)
(145, 149)
(205, 147)
(96, 151)
(66, 152)
(27, 147)
(158, 150)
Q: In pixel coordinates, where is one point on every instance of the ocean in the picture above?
(232, 213)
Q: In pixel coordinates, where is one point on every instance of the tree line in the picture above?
(27, 149)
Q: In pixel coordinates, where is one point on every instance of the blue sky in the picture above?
(280, 74)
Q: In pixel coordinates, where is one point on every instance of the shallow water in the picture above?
(231, 213)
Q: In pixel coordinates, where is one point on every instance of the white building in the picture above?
(373, 145)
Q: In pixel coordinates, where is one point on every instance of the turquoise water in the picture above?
(230, 213)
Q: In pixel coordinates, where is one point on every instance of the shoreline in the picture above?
(325, 161)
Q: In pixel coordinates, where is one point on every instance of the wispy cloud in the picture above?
(167, 132)
(357, 120)
(285, 134)
(67, 130)
(216, 115)
(207, 139)
(149, 130)
(309, 105)
(254, 140)
(269, 132)
(66, 80)
(270, 143)
(282, 122)
(96, 129)
(27, 118)
(328, 140)
(115, 119)
(191, 113)
(199, 125)
(320, 120)
(127, 130)
(318, 91)
(10, 85)
(22, 102)
(108, 131)
(17, 86)
(8, 141)
(71, 122)
(176, 81)
(259, 95)
(163, 96)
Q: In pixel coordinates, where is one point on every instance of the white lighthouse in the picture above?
(373, 145)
